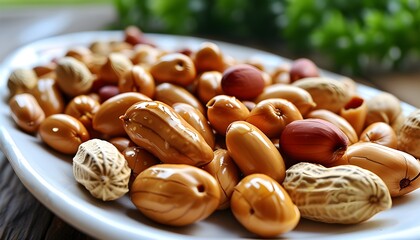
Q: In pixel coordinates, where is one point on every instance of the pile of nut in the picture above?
(191, 131)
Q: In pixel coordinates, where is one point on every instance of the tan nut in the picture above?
(380, 133)
(73, 77)
(208, 85)
(137, 79)
(26, 112)
(409, 134)
(175, 68)
(209, 57)
(49, 96)
(115, 67)
(21, 80)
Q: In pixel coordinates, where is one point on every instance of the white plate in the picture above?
(48, 175)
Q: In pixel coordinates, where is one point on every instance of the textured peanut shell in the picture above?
(63, 133)
(409, 134)
(175, 194)
(327, 93)
(263, 207)
(296, 95)
(380, 133)
(253, 152)
(26, 112)
(222, 110)
(49, 96)
(226, 173)
(170, 94)
(197, 120)
(399, 170)
(107, 118)
(156, 127)
(343, 194)
(101, 169)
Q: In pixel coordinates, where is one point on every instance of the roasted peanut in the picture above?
(138, 159)
(49, 96)
(342, 194)
(73, 77)
(21, 80)
(243, 81)
(115, 67)
(137, 79)
(63, 133)
(175, 194)
(121, 143)
(263, 207)
(208, 85)
(208, 57)
(156, 127)
(175, 68)
(380, 133)
(170, 94)
(83, 108)
(253, 152)
(355, 112)
(26, 112)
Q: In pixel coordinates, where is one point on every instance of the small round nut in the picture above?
(303, 68)
(243, 81)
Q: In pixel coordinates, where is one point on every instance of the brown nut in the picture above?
(156, 127)
(227, 174)
(222, 110)
(115, 67)
(355, 112)
(49, 96)
(197, 120)
(80, 53)
(145, 55)
(380, 133)
(83, 108)
(243, 81)
(121, 143)
(175, 194)
(138, 159)
(303, 68)
(253, 152)
(272, 115)
(44, 70)
(137, 79)
(327, 93)
(63, 133)
(107, 118)
(21, 80)
(298, 96)
(73, 77)
(409, 134)
(170, 94)
(313, 140)
(108, 91)
(337, 120)
(263, 206)
(175, 68)
(208, 86)
(399, 170)
(26, 112)
(209, 57)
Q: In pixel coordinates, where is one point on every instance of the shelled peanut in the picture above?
(180, 111)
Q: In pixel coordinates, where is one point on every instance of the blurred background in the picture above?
(377, 42)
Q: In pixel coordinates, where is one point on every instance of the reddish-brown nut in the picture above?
(227, 174)
(209, 57)
(133, 35)
(121, 143)
(138, 159)
(253, 152)
(175, 194)
(26, 112)
(380, 133)
(197, 120)
(63, 133)
(107, 118)
(83, 108)
(108, 91)
(137, 79)
(222, 110)
(272, 115)
(209, 85)
(303, 68)
(263, 206)
(313, 140)
(243, 81)
(49, 96)
(174, 68)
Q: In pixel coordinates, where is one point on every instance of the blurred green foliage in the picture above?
(352, 35)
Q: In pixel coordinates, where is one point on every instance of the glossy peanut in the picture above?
(175, 194)
(107, 118)
(197, 120)
(222, 110)
(121, 143)
(243, 81)
(208, 85)
(355, 112)
(26, 112)
(263, 207)
(174, 68)
(63, 133)
(156, 127)
(170, 94)
(337, 120)
(399, 170)
(380, 133)
(253, 152)
(137, 79)
(83, 108)
(209, 57)
(272, 115)
(138, 159)
(298, 96)
(226, 173)
(48, 96)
